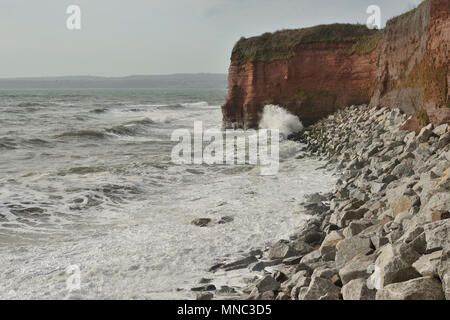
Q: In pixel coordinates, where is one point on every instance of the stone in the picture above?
(356, 227)
(207, 287)
(359, 267)
(437, 235)
(201, 222)
(311, 257)
(240, 264)
(425, 133)
(226, 291)
(282, 296)
(328, 247)
(443, 141)
(261, 265)
(347, 249)
(292, 260)
(392, 266)
(402, 204)
(426, 288)
(225, 219)
(440, 130)
(377, 187)
(357, 289)
(280, 276)
(205, 296)
(320, 289)
(267, 283)
(300, 279)
(282, 250)
(427, 265)
(440, 215)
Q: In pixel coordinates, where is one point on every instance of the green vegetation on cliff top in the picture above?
(279, 45)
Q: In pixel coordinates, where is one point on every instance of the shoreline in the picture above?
(382, 234)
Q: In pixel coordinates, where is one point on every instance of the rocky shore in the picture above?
(382, 234)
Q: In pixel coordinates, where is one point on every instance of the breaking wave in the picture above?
(275, 117)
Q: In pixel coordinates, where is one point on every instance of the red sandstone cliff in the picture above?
(312, 72)
(317, 78)
(413, 69)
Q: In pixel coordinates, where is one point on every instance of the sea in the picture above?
(93, 207)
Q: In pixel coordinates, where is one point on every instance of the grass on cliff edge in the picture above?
(279, 45)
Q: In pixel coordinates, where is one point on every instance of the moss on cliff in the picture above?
(280, 45)
(422, 117)
(363, 46)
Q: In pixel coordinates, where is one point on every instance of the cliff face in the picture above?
(413, 69)
(312, 72)
(314, 81)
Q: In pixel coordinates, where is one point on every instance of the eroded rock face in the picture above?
(312, 83)
(413, 69)
(427, 288)
(409, 69)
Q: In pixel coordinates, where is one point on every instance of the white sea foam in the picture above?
(275, 117)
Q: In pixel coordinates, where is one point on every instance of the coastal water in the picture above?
(87, 182)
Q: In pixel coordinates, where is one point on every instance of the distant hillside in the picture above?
(201, 80)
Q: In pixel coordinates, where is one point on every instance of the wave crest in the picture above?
(275, 117)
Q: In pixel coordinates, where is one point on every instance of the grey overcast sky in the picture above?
(127, 37)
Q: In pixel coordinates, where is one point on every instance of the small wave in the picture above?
(124, 130)
(30, 104)
(195, 104)
(99, 110)
(275, 117)
(89, 134)
(8, 144)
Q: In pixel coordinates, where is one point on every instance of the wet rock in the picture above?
(226, 291)
(201, 222)
(240, 264)
(207, 287)
(426, 288)
(282, 250)
(225, 219)
(267, 283)
(205, 296)
(261, 265)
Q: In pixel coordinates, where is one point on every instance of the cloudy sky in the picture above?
(125, 37)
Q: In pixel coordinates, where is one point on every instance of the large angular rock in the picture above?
(427, 265)
(357, 289)
(282, 250)
(425, 133)
(356, 227)
(426, 288)
(267, 283)
(359, 267)
(437, 235)
(328, 247)
(347, 249)
(320, 289)
(394, 265)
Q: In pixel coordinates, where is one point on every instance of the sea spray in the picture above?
(275, 117)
